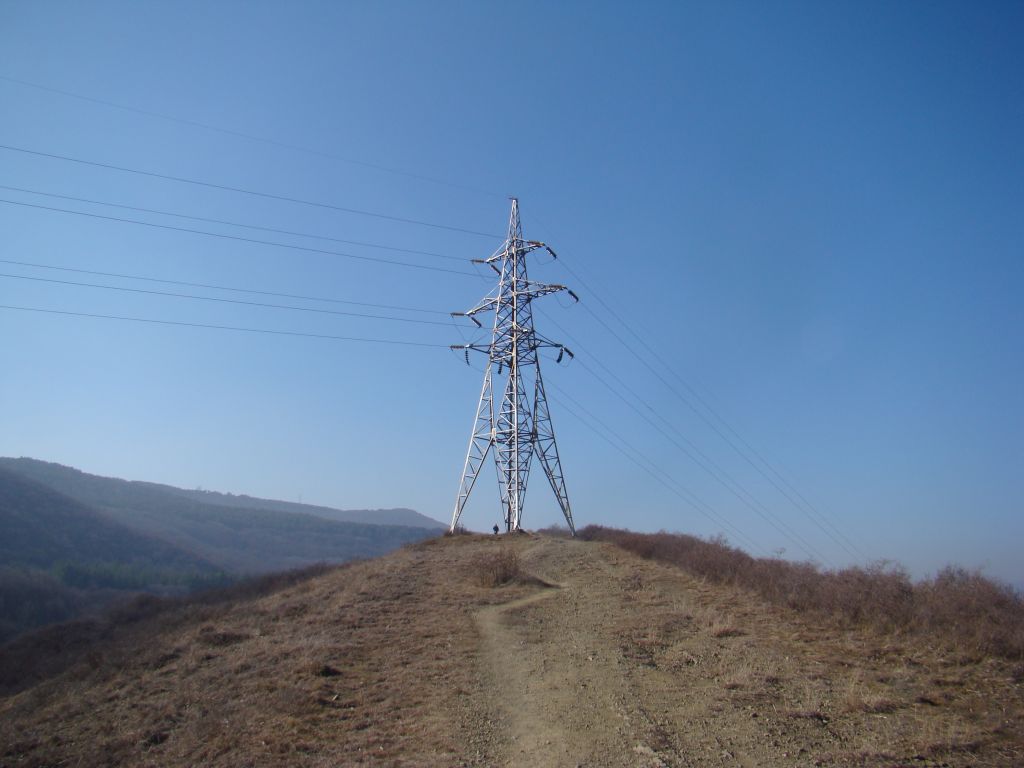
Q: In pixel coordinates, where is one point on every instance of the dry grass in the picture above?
(359, 665)
(51, 650)
(962, 609)
(378, 663)
(860, 696)
(753, 674)
(822, 692)
(721, 626)
(493, 569)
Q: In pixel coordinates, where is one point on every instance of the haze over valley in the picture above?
(73, 543)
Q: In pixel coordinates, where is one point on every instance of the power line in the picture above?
(701, 459)
(835, 536)
(719, 474)
(234, 224)
(241, 239)
(824, 519)
(241, 190)
(647, 465)
(251, 137)
(225, 301)
(223, 287)
(224, 327)
(816, 517)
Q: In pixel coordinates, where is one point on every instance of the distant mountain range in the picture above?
(102, 490)
(397, 516)
(42, 528)
(70, 541)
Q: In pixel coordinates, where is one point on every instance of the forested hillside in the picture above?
(43, 528)
(109, 491)
(60, 558)
(397, 516)
(235, 538)
(72, 543)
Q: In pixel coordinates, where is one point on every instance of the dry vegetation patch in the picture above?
(448, 653)
(963, 609)
(498, 567)
(363, 664)
(778, 686)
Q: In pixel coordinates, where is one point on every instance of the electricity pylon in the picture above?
(517, 425)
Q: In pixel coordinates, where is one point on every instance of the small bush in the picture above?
(499, 568)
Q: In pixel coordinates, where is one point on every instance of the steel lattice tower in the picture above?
(516, 424)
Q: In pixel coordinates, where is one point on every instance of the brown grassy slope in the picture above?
(363, 664)
(962, 609)
(414, 659)
(757, 684)
(45, 653)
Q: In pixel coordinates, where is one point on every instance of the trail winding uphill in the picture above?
(628, 663)
(591, 657)
(569, 676)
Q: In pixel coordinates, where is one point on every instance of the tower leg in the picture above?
(547, 449)
(480, 442)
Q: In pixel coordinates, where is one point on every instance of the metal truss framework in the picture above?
(517, 425)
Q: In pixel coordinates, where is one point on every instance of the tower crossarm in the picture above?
(473, 347)
(534, 290)
(485, 305)
(541, 342)
(522, 246)
(529, 290)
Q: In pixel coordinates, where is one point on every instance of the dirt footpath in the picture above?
(623, 662)
(591, 657)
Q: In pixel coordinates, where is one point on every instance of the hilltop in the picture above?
(521, 651)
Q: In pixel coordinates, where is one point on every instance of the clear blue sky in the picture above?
(812, 212)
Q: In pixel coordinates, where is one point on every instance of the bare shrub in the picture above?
(556, 532)
(725, 629)
(985, 614)
(497, 568)
(961, 608)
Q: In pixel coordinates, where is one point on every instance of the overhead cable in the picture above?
(232, 289)
(833, 534)
(235, 224)
(241, 239)
(252, 192)
(251, 137)
(659, 423)
(624, 447)
(225, 327)
(226, 301)
(719, 474)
